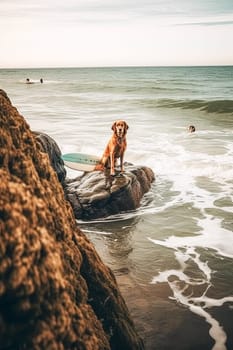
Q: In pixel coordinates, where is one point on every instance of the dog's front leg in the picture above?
(112, 164)
(122, 163)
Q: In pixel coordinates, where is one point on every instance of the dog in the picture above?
(115, 148)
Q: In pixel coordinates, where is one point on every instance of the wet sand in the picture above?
(163, 324)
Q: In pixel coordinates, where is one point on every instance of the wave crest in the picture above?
(214, 106)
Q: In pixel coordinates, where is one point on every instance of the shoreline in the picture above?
(163, 325)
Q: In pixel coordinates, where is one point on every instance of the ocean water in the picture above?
(173, 257)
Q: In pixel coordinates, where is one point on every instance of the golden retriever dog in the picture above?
(116, 147)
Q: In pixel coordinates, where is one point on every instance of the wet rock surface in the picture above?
(97, 194)
(49, 146)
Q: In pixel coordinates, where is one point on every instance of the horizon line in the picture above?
(122, 66)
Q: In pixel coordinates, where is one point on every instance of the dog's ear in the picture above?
(114, 126)
(126, 126)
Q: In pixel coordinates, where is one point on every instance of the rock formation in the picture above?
(49, 146)
(96, 194)
(55, 292)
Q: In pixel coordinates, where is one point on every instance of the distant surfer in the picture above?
(41, 80)
(28, 81)
(191, 128)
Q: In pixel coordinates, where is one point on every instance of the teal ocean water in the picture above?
(173, 257)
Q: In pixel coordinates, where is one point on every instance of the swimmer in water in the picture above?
(28, 81)
(191, 128)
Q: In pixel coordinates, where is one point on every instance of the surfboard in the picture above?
(80, 161)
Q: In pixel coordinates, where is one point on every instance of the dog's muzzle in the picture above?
(120, 132)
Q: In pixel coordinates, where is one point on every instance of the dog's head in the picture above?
(120, 128)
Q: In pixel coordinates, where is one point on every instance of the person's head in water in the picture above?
(191, 128)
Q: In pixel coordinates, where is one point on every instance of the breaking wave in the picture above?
(213, 106)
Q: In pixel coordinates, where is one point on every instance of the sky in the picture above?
(84, 33)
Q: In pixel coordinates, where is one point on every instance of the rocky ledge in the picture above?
(55, 292)
(97, 194)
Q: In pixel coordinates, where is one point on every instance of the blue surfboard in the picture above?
(81, 161)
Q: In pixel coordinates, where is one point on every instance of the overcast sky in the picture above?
(60, 33)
